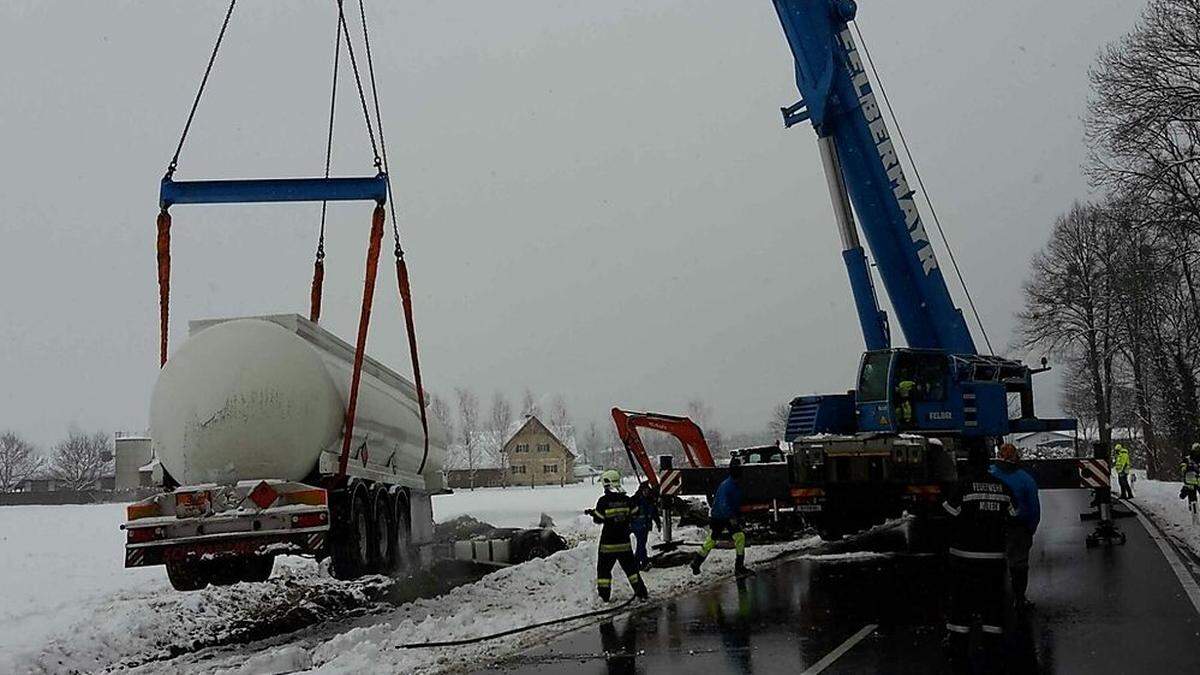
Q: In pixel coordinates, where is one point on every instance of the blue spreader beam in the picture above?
(256, 190)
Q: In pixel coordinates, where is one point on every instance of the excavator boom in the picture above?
(695, 448)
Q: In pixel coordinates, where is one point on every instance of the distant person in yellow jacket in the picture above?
(1122, 465)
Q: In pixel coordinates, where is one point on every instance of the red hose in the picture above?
(364, 321)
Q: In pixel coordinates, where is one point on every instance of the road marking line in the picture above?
(1185, 577)
(841, 650)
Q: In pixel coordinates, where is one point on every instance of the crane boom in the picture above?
(862, 163)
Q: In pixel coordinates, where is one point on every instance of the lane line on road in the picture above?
(1181, 572)
(841, 650)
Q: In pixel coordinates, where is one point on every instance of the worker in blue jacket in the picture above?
(644, 518)
(725, 519)
(1019, 534)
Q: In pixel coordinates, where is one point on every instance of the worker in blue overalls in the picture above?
(645, 517)
(725, 519)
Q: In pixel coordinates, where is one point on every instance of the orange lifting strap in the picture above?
(164, 282)
(364, 321)
(406, 301)
(314, 311)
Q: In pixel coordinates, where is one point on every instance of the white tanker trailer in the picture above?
(247, 420)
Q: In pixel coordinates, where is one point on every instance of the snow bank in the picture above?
(1160, 501)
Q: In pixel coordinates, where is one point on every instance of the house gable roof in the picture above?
(532, 420)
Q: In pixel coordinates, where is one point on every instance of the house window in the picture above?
(549, 468)
(543, 447)
(522, 447)
(518, 469)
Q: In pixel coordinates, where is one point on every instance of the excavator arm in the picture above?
(695, 448)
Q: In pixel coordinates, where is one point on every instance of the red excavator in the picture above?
(685, 430)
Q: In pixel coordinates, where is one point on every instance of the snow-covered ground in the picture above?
(67, 604)
(1160, 501)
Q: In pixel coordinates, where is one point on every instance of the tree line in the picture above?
(1113, 293)
(77, 462)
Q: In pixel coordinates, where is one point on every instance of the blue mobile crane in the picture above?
(896, 440)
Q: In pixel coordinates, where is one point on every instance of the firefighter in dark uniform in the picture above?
(615, 511)
(980, 507)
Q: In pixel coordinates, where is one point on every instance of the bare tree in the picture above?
(593, 443)
(500, 420)
(560, 417)
(468, 428)
(79, 461)
(777, 425)
(529, 404)
(702, 414)
(18, 461)
(1069, 308)
(441, 412)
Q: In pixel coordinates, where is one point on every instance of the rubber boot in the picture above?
(697, 559)
(739, 567)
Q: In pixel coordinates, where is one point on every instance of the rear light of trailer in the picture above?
(807, 493)
(192, 504)
(141, 535)
(313, 497)
(927, 493)
(310, 520)
(139, 510)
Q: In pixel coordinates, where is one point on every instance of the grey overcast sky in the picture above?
(599, 197)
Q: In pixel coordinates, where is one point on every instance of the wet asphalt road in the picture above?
(1098, 610)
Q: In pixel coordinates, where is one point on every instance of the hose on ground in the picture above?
(520, 629)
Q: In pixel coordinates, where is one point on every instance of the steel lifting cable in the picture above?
(401, 265)
(921, 184)
(318, 281)
(163, 222)
(362, 96)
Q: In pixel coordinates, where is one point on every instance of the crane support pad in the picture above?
(372, 188)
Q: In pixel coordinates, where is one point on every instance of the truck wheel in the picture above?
(384, 549)
(257, 568)
(186, 575)
(352, 539)
(406, 555)
(226, 572)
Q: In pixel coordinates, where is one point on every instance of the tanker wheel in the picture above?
(351, 554)
(406, 555)
(186, 575)
(384, 548)
(226, 572)
(257, 568)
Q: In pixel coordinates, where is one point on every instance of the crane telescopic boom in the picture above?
(863, 169)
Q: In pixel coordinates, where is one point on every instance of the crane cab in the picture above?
(927, 391)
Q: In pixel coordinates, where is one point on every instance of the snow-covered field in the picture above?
(67, 604)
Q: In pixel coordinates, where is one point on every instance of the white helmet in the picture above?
(611, 480)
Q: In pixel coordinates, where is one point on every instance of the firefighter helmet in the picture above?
(611, 480)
